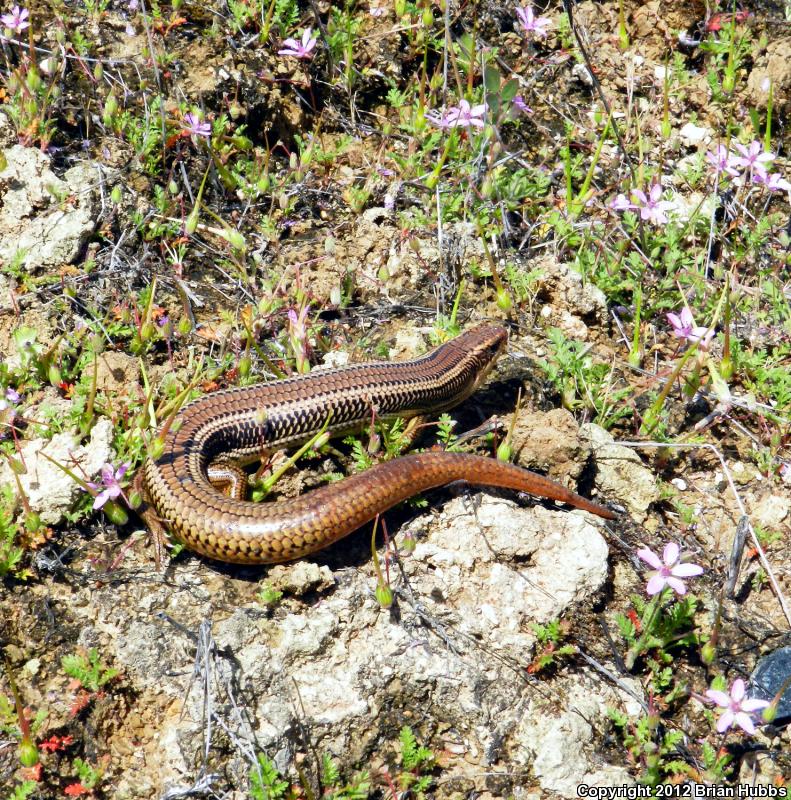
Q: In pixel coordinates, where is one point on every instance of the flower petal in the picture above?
(725, 721)
(676, 585)
(744, 721)
(655, 584)
(754, 704)
(621, 203)
(101, 499)
(650, 557)
(671, 551)
(720, 698)
(686, 570)
(738, 690)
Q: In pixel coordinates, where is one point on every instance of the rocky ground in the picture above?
(184, 206)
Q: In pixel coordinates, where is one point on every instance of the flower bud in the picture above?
(708, 653)
(147, 332)
(191, 225)
(53, 375)
(504, 451)
(503, 300)
(321, 441)
(235, 239)
(115, 513)
(32, 522)
(384, 595)
(28, 753)
(156, 449)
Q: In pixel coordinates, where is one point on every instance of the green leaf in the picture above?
(509, 91)
(492, 79)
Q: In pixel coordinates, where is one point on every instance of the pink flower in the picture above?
(16, 20)
(684, 328)
(753, 156)
(8, 409)
(303, 49)
(621, 203)
(773, 181)
(531, 23)
(737, 709)
(668, 571)
(461, 116)
(722, 160)
(111, 481)
(651, 207)
(195, 127)
(519, 103)
(465, 115)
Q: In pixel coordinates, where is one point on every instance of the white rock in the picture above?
(692, 135)
(45, 218)
(620, 473)
(557, 737)
(772, 511)
(49, 490)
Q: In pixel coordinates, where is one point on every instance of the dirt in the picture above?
(209, 673)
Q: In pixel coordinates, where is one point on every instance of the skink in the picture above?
(223, 431)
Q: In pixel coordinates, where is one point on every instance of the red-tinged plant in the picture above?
(32, 773)
(76, 790)
(81, 700)
(56, 743)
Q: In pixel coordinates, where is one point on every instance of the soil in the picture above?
(209, 674)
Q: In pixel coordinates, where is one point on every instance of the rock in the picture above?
(557, 736)
(582, 74)
(115, 372)
(550, 442)
(769, 676)
(568, 565)
(334, 359)
(772, 67)
(6, 293)
(409, 343)
(693, 135)
(300, 578)
(620, 473)
(342, 667)
(7, 131)
(49, 490)
(44, 218)
(689, 204)
(570, 303)
(772, 511)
